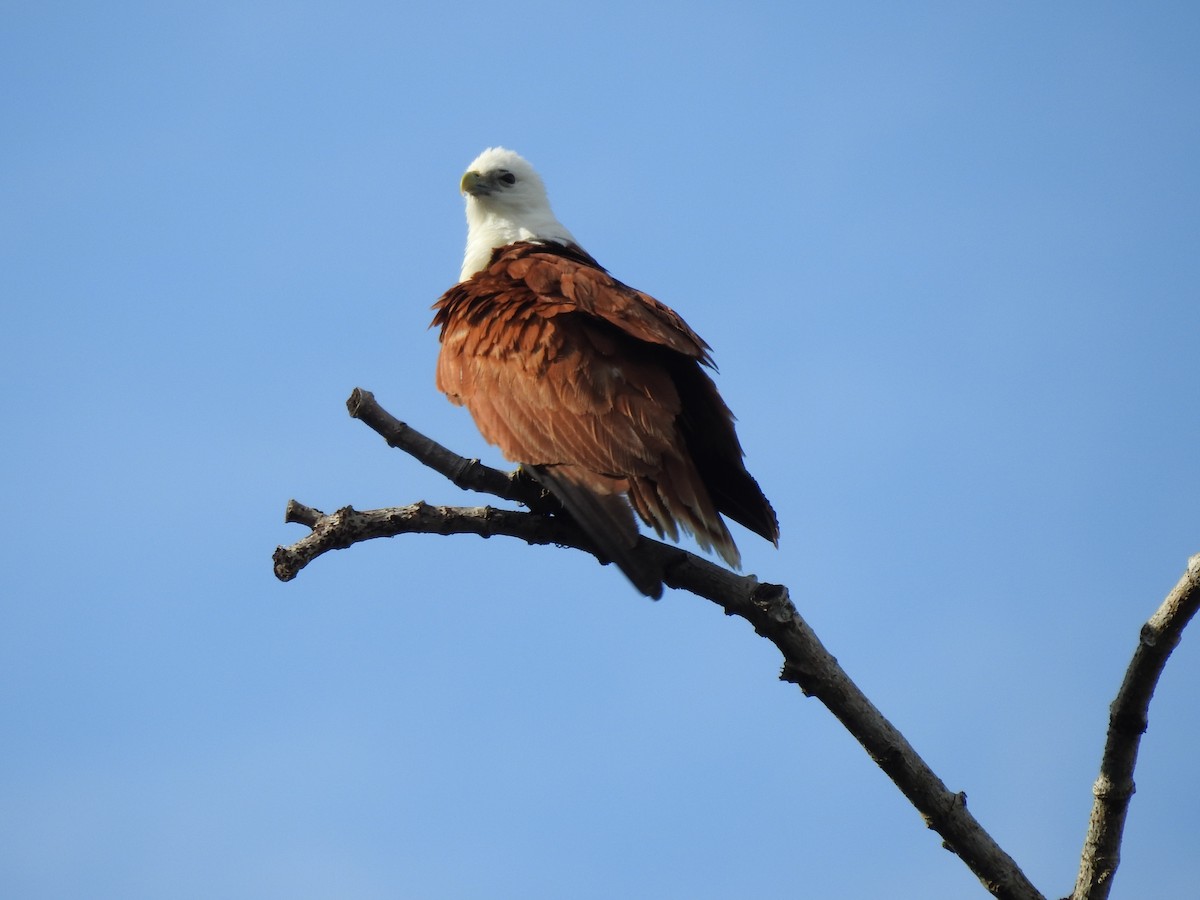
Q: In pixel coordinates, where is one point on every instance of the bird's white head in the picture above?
(506, 203)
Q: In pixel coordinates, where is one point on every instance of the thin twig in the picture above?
(1127, 722)
(348, 526)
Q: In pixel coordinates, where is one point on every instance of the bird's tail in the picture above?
(598, 507)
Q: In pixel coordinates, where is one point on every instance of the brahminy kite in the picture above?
(594, 388)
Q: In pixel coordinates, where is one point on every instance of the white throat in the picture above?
(489, 228)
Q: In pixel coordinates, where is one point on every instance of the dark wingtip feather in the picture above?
(738, 496)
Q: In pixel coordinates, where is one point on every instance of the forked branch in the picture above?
(769, 609)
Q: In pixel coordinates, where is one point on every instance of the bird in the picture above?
(597, 390)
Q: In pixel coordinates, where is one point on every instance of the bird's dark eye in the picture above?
(508, 178)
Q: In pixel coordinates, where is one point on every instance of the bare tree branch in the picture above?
(767, 607)
(348, 526)
(468, 474)
(1127, 722)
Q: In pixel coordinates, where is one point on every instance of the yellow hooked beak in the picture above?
(474, 184)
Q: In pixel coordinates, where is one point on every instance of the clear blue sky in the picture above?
(946, 254)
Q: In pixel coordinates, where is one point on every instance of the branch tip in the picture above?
(296, 513)
(358, 398)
